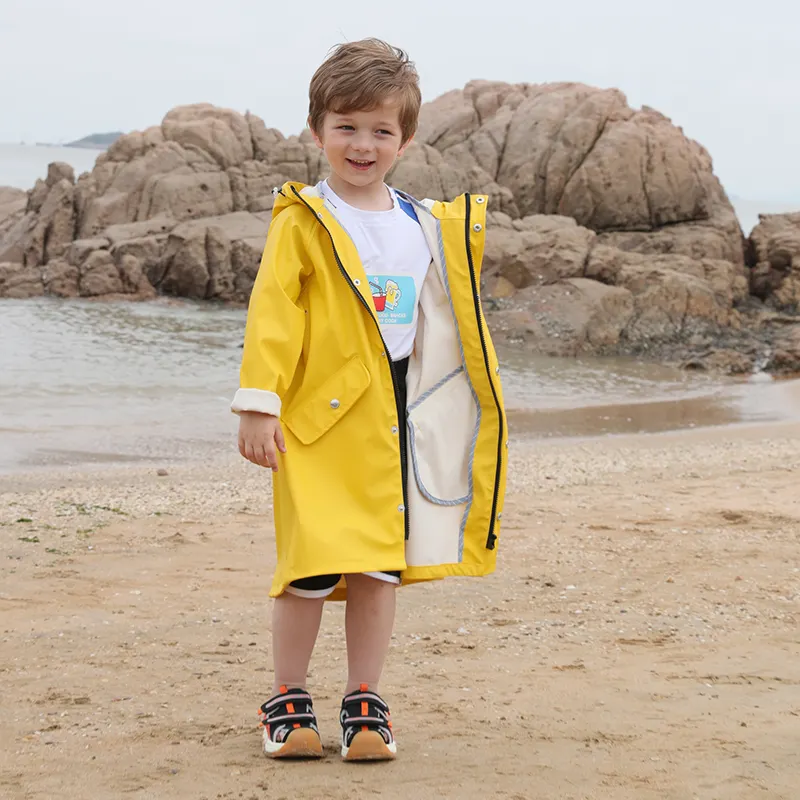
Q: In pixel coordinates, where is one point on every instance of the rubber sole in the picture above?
(300, 743)
(369, 746)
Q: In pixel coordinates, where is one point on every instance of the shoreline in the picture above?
(603, 422)
(226, 460)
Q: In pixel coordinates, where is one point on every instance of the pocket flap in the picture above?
(317, 412)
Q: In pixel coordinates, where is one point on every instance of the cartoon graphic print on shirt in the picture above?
(394, 297)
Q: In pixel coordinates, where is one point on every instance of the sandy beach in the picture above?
(639, 639)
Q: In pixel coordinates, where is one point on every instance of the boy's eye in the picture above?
(385, 132)
(345, 127)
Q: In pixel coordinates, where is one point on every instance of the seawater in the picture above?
(21, 165)
(90, 382)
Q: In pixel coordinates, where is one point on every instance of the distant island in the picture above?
(96, 141)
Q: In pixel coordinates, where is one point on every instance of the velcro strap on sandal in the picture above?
(291, 707)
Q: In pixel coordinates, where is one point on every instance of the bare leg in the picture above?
(369, 621)
(295, 625)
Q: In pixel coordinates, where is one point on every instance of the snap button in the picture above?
(497, 370)
(394, 428)
(401, 508)
(500, 515)
(335, 403)
(383, 354)
(357, 282)
(480, 199)
(320, 215)
(506, 442)
(477, 227)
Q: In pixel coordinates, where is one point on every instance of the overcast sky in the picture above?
(727, 71)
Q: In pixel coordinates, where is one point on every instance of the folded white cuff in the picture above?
(256, 400)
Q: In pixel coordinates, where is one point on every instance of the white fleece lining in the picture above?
(256, 400)
(436, 531)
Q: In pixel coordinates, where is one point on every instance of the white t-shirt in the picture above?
(396, 258)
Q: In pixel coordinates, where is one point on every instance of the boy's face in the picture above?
(362, 146)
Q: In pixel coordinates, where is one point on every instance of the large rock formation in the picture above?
(608, 230)
(581, 152)
(559, 286)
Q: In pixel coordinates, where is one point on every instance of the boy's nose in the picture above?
(362, 143)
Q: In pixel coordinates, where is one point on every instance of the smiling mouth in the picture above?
(358, 164)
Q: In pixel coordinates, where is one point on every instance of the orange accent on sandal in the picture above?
(283, 689)
(364, 687)
(290, 708)
(364, 709)
(296, 725)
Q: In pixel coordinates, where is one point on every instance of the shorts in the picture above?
(323, 585)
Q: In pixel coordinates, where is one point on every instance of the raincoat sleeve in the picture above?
(276, 323)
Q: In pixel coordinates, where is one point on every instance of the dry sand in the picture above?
(639, 639)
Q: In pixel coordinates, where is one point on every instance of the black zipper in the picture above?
(400, 433)
(491, 538)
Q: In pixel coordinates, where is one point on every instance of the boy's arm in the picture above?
(275, 323)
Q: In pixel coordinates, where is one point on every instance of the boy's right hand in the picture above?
(261, 438)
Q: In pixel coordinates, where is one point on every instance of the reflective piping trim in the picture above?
(280, 699)
(369, 697)
(435, 388)
(439, 501)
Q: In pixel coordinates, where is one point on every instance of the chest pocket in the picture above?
(314, 414)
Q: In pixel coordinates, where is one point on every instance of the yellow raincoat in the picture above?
(314, 355)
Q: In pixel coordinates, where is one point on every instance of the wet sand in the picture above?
(639, 640)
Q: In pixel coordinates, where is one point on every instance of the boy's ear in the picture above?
(317, 140)
(403, 147)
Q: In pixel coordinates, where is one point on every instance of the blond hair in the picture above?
(359, 76)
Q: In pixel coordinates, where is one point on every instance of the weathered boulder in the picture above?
(147, 250)
(785, 354)
(12, 206)
(774, 250)
(203, 258)
(61, 278)
(538, 249)
(582, 152)
(565, 319)
(98, 275)
(80, 249)
(252, 185)
(184, 194)
(158, 226)
(423, 172)
(221, 133)
(19, 282)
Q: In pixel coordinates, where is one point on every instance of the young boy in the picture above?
(369, 385)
